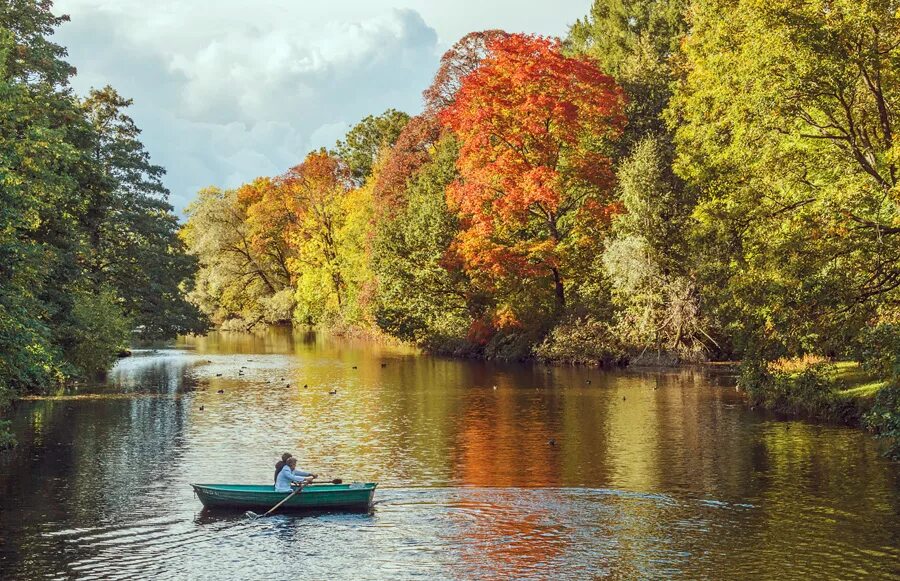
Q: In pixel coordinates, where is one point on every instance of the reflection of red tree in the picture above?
(503, 441)
(503, 539)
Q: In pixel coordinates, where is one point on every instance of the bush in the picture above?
(884, 418)
(880, 350)
(509, 346)
(583, 340)
(808, 390)
(99, 332)
(7, 440)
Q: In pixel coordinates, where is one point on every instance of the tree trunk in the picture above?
(560, 290)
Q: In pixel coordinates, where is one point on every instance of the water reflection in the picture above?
(486, 471)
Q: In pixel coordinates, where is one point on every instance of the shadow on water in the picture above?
(484, 470)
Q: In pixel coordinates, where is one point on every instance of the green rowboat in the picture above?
(350, 497)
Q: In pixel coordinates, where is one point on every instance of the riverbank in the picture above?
(842, 392)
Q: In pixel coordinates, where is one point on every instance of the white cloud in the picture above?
(227, 90)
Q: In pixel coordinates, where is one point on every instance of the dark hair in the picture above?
(285, 456)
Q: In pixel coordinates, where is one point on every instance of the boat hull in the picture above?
(324, 497)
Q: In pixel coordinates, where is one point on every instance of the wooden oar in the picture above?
(288, 497)
(283, 500)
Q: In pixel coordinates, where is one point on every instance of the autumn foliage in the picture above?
(468, 223)
(409, 154)
(534, 127)
(457, 63)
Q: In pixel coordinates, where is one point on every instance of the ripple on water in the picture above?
(462, 533)
(470, 487)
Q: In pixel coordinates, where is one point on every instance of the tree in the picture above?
(237, 284)
(269, 215)
(42, 169)
(647, 259)
(411, 151)
(457, 63)
(635, 41)
(133, 230)
(314, 191)
(423, 294)
(356, 241)
(363, 144)
(785, 124)
(80, 206)
(414, 145)
(535, 127)
(615, 30)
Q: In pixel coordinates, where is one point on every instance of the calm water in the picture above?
(650, 475)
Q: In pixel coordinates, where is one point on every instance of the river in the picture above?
(485, 471)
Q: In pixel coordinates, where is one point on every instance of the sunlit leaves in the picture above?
(534, 127)
(785, 120)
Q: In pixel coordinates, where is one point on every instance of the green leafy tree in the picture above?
(134, 232)
(424, 295)
(75, 190)
(647, 260)
(42, 167)
(786, 116)
(363, 144)
(635, 42)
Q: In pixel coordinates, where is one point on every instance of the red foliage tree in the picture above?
(457, 63)
(534, 127)
(411, 151)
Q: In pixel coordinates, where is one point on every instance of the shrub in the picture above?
(880, 350)
(807, 390)
(7, 440)
(582, 340)
(884, 418)
(99, 332)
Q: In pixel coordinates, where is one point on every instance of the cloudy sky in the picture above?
(227, 90)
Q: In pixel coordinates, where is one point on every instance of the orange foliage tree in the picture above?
(536, 177)
(313, 192)
(269, 215)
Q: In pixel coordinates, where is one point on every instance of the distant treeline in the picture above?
(89, 249)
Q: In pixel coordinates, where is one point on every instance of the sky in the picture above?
(229, 90)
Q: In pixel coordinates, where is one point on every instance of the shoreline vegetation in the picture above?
(687, 180)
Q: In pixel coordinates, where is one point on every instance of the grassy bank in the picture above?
(842, 392)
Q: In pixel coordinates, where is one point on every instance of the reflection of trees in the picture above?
(503, 539)
(159, 372)
(85, 463)
(503, 434)
(273, 340)
(420, 421)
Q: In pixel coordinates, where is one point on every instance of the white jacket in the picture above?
(286, 476)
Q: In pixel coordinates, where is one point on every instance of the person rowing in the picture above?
(290, 475)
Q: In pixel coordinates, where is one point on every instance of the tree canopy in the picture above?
(89, 251)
